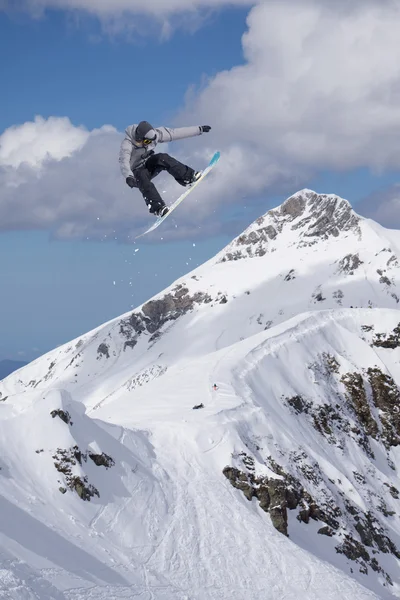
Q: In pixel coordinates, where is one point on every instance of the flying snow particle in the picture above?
(113, 282)
(137, 250)
(194, 245)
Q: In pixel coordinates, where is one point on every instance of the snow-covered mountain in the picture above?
(235, 436)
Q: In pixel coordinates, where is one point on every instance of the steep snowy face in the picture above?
(311, 253)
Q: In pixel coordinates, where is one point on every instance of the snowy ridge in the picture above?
(281, 483)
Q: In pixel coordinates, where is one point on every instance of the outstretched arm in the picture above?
(125, 157)
(165, 134)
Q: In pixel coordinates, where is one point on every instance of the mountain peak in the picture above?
(304, 219)
(322, 214)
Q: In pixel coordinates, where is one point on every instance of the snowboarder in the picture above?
(139, 164)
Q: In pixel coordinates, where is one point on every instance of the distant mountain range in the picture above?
(9, 366)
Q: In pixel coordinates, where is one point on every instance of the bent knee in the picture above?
(163, 157)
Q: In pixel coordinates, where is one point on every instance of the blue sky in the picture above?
(66, 269)
(54, 290)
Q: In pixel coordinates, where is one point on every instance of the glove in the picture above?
(205, 128)
(130, 180)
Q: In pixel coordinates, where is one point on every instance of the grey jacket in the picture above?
(132, 155)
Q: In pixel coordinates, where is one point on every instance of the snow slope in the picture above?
(126, 491)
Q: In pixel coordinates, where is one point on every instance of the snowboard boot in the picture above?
(159, 210)
(189, 179)
(195, 177)
(162, 211)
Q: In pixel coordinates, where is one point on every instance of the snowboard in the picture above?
(204, 173)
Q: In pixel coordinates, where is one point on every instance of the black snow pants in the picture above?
(152, 167)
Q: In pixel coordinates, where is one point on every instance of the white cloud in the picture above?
(33, 143)
(56, 176)
(320, 89)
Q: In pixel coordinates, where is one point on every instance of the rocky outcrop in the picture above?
(359, 535)
(386, 397)
(276, 495)
(156, 313)
(349, 264)
(103, 350)
(63, 415)
(313, 216)
(66, 459)
(102, 460)
(388, 340)
(357, 398)
(327, 215)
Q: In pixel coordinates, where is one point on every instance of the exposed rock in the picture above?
(102, 350)
(239, 480)
(338, 296)
(359, 477)
(393, 491)
(66, 459)
(349, 263)
(317, 295)
(84, 490)
(277, 504)
(357, 397)
(391, 340)
(290, 275)
(386, 397)
(276, 496)
(102, 460)
(392, 262)
(197, 406)
(133, 323)
(298, 404)
(352, 549)
(330, 362)
(383, 279)
(63, 414)
(323, 216)
(248, 461)
(294, 206)
(262, 494)
(373, 535)
(156, 313)
(326, 531)
(323, 417)
(130, 344)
